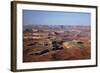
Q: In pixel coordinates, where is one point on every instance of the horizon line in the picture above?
(59, 25)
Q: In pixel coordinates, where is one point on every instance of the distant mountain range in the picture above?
(54, 26)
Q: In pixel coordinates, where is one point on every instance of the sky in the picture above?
(31, 17)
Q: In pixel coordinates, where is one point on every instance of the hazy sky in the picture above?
(55, 18)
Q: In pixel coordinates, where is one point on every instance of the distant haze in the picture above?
(31, 17)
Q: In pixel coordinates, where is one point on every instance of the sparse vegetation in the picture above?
(46, 43)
